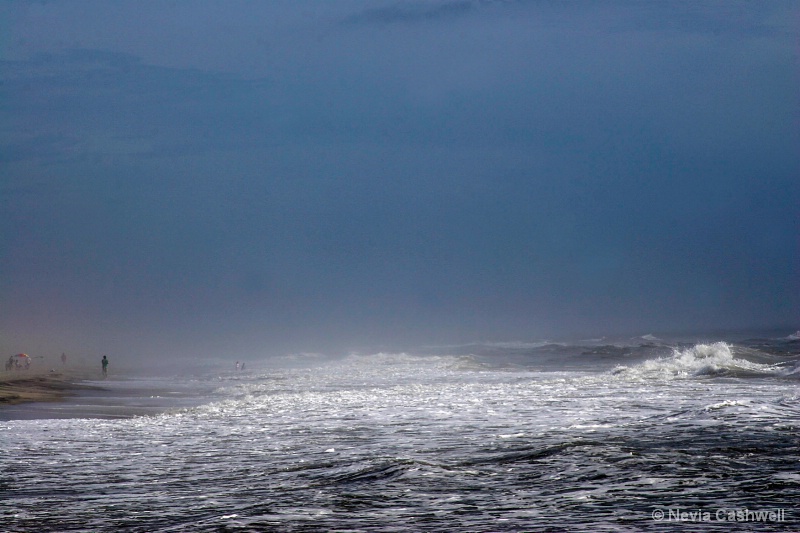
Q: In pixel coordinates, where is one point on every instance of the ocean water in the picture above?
(598, 435)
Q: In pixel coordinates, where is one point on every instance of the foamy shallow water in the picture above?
(394, 442)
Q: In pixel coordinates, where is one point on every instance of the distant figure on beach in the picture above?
(242, 365)
(105, 365)
(10, 362)
(63, 358)
(237, 365)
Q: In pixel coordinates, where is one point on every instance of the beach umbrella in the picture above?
(19, 359)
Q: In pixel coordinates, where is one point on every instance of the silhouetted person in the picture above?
(104, 362)
(63, 358)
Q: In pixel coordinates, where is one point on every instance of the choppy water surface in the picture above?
(494, 438)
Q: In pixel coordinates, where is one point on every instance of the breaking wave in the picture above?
(718, 359)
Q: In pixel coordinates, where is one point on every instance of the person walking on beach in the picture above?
(104, 362)
(63, 358)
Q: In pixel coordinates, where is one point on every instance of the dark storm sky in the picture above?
(258, 177)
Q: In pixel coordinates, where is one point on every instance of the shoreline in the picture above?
(78, 393)
(22, 386)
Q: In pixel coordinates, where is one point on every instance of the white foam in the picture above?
(699, 360)
(650, 338)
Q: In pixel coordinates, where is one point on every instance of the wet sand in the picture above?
(26, 386)
(73, 393)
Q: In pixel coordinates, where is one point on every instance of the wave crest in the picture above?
(700, 360)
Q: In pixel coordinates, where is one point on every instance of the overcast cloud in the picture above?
(219, 178)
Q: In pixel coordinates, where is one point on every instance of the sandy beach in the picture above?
(80, 392)
(28, 386)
